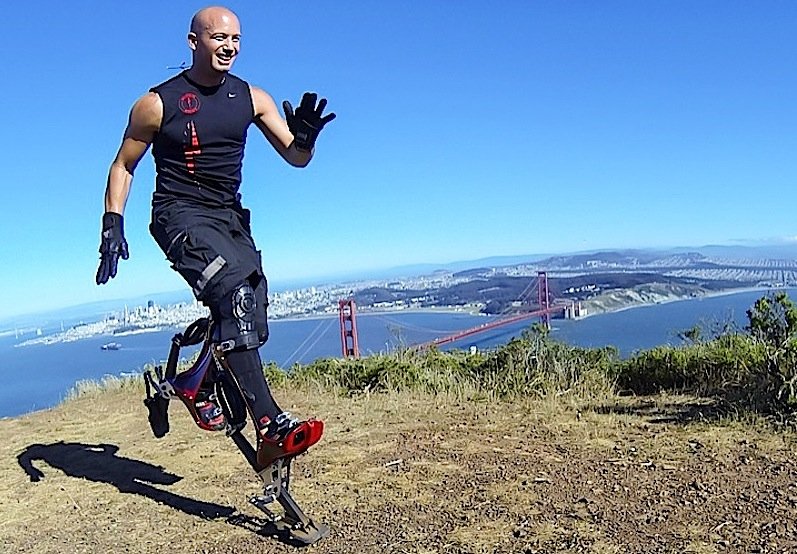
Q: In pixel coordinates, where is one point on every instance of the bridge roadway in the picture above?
(492, 325)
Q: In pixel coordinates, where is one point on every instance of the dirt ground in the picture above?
(406, 474)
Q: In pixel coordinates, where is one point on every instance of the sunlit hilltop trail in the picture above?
(534, 447)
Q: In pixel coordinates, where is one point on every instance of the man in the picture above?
(196, 123)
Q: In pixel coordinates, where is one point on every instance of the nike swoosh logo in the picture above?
(232, 94)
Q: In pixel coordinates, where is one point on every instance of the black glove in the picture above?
(112, 246)
(307, 122)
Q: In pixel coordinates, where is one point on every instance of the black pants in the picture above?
(213, 250)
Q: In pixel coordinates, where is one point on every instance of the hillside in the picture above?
(598, 278)
(408, 473)
(498, 294)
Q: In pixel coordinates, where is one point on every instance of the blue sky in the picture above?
(465, 129)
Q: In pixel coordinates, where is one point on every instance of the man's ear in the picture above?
(192, 40)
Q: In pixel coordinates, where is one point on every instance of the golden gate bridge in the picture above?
(524, 308)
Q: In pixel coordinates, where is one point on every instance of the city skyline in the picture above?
(464, 131)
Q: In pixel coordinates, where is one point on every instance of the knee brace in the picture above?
(241, 317)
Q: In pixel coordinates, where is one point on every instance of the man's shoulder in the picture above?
(147, 111)
(167, 82)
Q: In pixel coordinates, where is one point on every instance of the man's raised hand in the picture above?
(306, 123)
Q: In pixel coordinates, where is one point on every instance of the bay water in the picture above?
(39, 376)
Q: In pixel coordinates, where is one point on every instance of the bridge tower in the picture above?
(543, 298)
(348, 328)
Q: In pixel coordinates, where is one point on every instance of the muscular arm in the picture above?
(275, 129)
(26, 458)
(145, 120)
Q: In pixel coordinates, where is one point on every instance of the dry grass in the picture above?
(405, 473)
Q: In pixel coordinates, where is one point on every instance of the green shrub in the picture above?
(725, 365)
(773, 325)
(756, 368)
(533, 364)
(423, 371)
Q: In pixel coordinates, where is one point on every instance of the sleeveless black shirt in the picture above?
(199, 147)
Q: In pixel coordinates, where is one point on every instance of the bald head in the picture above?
(215, 38)
(206, 18)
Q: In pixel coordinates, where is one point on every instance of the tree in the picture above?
(773, 319)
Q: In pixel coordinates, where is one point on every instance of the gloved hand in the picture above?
(307, 122)
(112, 246)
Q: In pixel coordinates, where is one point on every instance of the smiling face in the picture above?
(215, 39)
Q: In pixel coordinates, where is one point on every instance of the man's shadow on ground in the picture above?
(100, 463)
